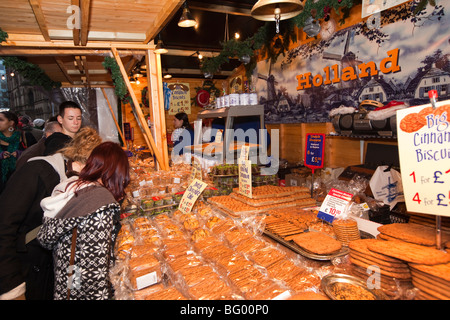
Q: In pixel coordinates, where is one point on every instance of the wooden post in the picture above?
(138, 113)
(156, 102)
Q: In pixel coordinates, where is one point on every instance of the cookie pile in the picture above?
(346, 230)
(407, 254)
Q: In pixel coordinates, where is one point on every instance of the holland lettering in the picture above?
(331, 74)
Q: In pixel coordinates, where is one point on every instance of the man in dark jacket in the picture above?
(22, 260)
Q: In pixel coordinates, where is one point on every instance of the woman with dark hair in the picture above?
(183, 135)
(81, 222)
(10, 145)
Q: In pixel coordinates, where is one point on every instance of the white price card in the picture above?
(245, 178)
(191, 195)
(334, 204)
(423, 134)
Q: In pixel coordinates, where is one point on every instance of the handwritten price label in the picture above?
(245, 178)
(424, 152)
(191, 195)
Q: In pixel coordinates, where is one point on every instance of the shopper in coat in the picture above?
(26, 269)
(81, 222)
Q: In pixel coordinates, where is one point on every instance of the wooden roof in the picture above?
(43, 32)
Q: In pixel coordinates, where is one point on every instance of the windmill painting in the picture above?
(357, 64)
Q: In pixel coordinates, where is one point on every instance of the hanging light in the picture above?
(167, 76)
(160, 47)
(276, 10)
(186, 19)
(199, 56)
(3, 77)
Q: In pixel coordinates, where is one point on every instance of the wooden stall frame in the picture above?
(139, 115)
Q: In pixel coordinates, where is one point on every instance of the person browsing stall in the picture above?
(26, 270)
(81, 222)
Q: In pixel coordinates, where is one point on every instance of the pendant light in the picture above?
(186, 19)
(160, 48)
(276, 10)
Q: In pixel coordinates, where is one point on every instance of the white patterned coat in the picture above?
(95, 214)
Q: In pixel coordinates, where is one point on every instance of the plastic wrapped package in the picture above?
(251, 245)
(124, 242)
(304, 280)
(200, 234)
(246, 279)
(144, 271)
(236, 235)
(214, 253)
(283, 270)
(211, 288)
(167, 293)
(266, 256)
(269, 289)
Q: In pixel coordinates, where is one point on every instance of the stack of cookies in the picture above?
(346, 230)
(433, 282)
(394, 274)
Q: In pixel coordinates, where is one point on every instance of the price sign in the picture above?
(245, 177)
(191, 195)
(334, 205)
(218, 137)
(314, 148)
(424, 150)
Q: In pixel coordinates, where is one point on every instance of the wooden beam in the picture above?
(85, 14)
(169, 10)
(76, 31)
(40, 18)
(156, 102)
(138, 113)
(86, 70)
(13, 51)
(205, 6)
(63, 69)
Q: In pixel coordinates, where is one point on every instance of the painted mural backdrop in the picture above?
(398, 57)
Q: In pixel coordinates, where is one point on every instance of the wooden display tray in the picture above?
(267, 201)
(254, 210)
(275, 191)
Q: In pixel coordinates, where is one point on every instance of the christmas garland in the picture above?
(33, 73)
(3, 36)
(120, 88)
(263, 38)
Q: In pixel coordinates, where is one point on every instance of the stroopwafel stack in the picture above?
(346, 230)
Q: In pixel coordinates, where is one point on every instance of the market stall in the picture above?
(357, 207)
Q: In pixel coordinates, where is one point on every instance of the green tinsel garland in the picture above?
(262, 39)
(120, 88)
(33, 73)
(3, 36)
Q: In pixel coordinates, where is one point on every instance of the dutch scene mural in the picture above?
(394, 56)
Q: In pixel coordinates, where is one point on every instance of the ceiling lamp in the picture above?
(160, 47)
(276, 10)
(186, 19)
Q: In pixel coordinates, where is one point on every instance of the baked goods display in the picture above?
(218, 258)
(236, 247)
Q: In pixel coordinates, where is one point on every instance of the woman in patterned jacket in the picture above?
(81, 222)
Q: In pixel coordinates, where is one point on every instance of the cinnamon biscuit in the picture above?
(412, 232)
(317, 242)
(410, 252)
